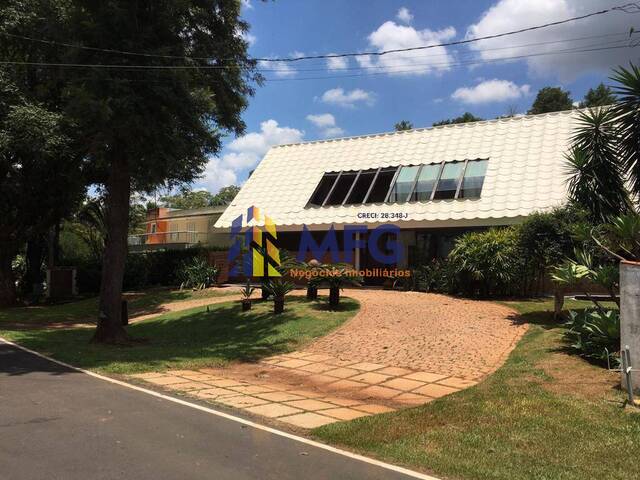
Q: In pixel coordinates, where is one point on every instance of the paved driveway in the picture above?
(56, 423)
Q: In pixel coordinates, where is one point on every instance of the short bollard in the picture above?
(125, 313)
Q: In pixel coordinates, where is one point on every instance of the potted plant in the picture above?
(279, 289)
(336, 276)
(246, 296)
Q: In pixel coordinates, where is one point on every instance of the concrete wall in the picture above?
(630, 316)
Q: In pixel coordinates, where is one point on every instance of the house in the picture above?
(432, 183)
(171, 229)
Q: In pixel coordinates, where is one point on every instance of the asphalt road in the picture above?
(57, 423)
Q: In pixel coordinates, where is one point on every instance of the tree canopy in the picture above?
(598, 97)
(465, 118)
(551, 99)
(403, 125)
(187, 198)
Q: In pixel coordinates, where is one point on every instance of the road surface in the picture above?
(58, 423)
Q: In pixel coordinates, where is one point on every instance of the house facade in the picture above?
(432, 183)
(171, 229)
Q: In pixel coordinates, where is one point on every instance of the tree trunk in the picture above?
(110, 328)
(334, 297)
(7, 280)
(34, 256)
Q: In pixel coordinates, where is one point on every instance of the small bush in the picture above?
(595, 334)
(487, 263)
(197, 274)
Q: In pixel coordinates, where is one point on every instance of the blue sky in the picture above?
(423, 86)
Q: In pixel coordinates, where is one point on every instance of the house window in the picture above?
(421, 183)
(153, 228)
(341, 188)
(323, 189)
(449, 180)
(473, 179)
(404, 184)
(381, 186)
(361, 187)
(426, 181)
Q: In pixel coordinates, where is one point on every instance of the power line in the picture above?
(364, 74)
(459, 64)
(626, 8)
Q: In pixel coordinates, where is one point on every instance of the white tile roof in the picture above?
(526, 172)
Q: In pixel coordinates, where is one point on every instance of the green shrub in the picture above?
(595, 334)
(487, 263)
(196, 273)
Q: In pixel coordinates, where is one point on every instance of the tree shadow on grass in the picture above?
(223, 334)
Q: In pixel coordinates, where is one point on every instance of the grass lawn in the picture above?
(543, 415)
(86, 310)
(192, 338)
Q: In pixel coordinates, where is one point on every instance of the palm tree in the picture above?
(627, 117)
(597, 180)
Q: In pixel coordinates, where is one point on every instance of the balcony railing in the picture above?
(166, 240)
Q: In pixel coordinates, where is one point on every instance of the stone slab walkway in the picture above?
(401, 349)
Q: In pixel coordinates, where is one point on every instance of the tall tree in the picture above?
(598, 97)
(403, 125)
(40, 169)
(158, 122)
(465, 118)
(551, 99)
(225, 195)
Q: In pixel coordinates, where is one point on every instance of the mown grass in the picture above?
(85, 310)
(194, 338)
(543, 415)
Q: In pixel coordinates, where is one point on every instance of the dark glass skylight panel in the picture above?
(473, 179)
(323, 189)
(448, 183)
(381, 186)
(404, 184)
(426, 181)
(341, 188)
(361, 187)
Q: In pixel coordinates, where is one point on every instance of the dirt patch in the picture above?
(574, 376)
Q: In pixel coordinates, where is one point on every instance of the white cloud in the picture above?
(326, 123)
(248, 37)
(279, 69)
(337, 63)
(491, 91)
(391, 36)
(338, 96)
(247, 4)
(508, 15)
(245, 152)
(322, 120)
(404, 15)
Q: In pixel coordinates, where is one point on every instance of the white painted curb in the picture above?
(361, 458)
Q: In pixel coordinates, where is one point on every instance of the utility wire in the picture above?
(626, 8)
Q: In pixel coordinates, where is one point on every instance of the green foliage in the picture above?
(597, 179)
(595, 334)
(598, 97)
(551, 99)
(188, 199)
(197, 274)
(464, 118)
(278, 287)
(403, 125)
(487, 263)
(621, 237)
(627, 115)
(247, 290)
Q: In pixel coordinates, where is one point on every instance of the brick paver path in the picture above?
(401, 349)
